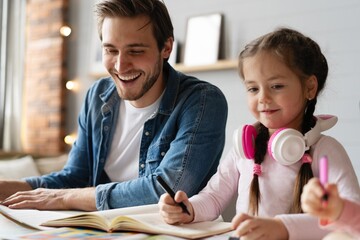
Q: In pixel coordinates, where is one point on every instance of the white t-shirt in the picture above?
(123, 159)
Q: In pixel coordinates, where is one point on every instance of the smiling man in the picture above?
(145, 120)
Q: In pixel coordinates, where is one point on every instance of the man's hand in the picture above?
(53, 199)
(9, 187)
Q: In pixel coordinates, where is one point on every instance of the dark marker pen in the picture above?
(171, 193)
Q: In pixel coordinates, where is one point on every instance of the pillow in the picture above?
(51, 164)
(18, 168)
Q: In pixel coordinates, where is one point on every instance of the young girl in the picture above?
(283, 73)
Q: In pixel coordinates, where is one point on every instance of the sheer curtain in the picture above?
(12, 48)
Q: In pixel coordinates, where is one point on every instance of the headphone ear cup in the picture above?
(244, 141)
(286, 146)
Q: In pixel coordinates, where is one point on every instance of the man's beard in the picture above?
(147, 85)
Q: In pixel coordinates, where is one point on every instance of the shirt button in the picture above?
(106, 128)
(142, 165)
(147, 133)
(162, 153)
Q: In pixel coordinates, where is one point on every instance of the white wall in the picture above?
(335, 25)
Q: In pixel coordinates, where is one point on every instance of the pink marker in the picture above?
(324, 170)
(324, 180)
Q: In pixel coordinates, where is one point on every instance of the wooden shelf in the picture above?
(219, 65)
(99, 74)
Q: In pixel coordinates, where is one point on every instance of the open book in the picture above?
(145, 219)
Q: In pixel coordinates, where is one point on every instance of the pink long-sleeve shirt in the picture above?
(276, 184)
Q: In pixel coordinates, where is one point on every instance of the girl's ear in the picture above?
(311, 87)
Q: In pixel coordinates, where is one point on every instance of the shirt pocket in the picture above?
(155, 155)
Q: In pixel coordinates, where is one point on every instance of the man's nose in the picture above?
(121, 62)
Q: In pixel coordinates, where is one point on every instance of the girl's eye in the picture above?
(252, 89)
(277, 86)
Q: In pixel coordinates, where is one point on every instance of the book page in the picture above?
(113, 213)
(100, 219)
(91, 220)
(154, 223)
(9, 229)
(32, 217)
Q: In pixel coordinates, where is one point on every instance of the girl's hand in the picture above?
(312, 202)
(172, 212)
(248, 227)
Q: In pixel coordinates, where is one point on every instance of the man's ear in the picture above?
(311, 87)
(166, 51)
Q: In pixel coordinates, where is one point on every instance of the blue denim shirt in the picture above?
(182, 142)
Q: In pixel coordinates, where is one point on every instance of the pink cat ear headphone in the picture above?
(286, 145)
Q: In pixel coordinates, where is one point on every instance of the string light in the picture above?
(65, 31)
(70, 139)
(72, 85)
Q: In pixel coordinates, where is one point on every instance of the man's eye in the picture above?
(110, 51)
(136, 52)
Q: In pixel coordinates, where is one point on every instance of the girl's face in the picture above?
(275, 95)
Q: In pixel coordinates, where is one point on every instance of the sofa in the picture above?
(17, 165)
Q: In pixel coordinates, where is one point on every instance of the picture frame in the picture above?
(203, 38)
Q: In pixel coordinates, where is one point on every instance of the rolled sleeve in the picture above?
(102, 193)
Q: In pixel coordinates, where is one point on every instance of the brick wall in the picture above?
(44, 93)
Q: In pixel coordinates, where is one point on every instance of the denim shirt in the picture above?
(183, 142)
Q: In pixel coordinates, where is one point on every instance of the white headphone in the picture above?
(286, 145)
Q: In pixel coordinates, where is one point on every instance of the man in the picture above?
(146, 120)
